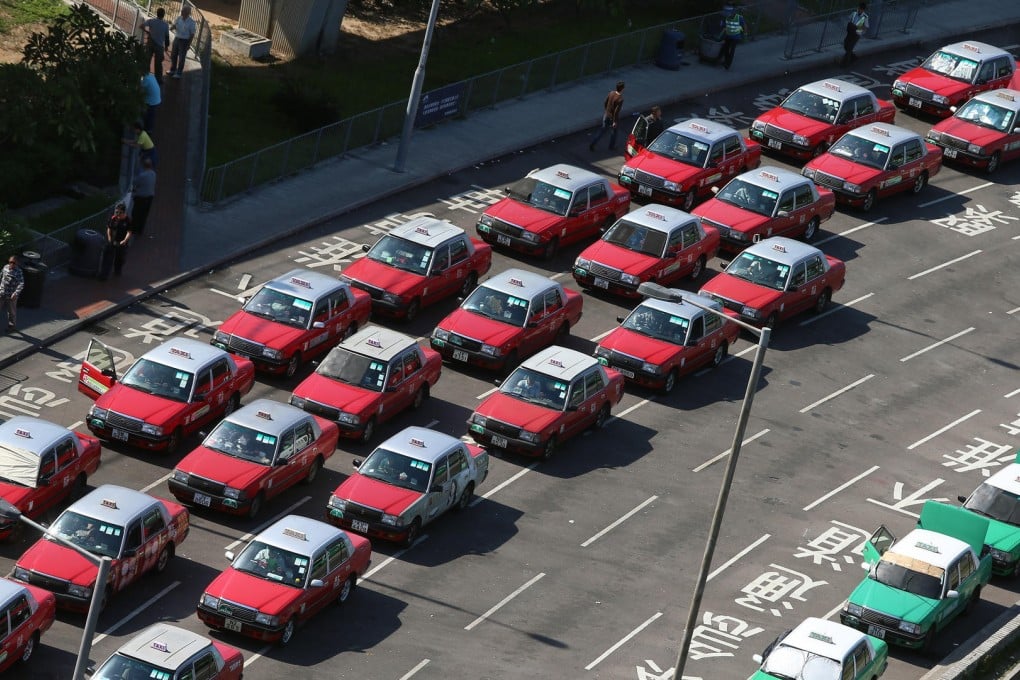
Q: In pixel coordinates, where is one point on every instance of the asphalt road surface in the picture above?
(582, 567)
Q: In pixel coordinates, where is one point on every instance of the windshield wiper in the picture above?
(264, 315)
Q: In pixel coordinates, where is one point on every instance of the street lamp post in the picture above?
(10, 513)
(416, 85)
(764, 335)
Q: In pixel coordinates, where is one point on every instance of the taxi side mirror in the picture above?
(318, 324)
(356, 462)
(962, 499)
(620, 319)
(365, 247)
(316, 583)
(229, 555)
(783, 213)
(497, 382)
(108, 372)
(952, 594)
(757, 658)
(714, 190)
(201, 396)
(44, 480)
(724, 265)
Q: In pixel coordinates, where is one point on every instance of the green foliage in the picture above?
(13, 233)
(305, 104)
(18, 12)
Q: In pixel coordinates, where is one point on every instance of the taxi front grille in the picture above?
(50, 583)
(954, 142)
(602, 271)
(731, 305)
(827, 180)
(361, 512)
(466, 343)
(501, 227)
(625, 361)
(322, 410)
(778, 133)
(237, 611)
(123, 422)
(244, 346)
(499, 427)
(205, 485)
(375, 293)
(649, 180)
(918, 92)
(871, 616)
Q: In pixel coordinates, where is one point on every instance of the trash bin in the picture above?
(87, 253)
(671, 50)
(34, 271)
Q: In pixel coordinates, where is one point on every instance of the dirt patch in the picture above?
(13, 42)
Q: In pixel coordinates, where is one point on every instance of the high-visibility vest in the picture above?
(733, 26)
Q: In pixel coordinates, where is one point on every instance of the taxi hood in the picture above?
(150, 408)
(892, 601)
(482, 328)
(528, 416)
(346, 397)
(220, 467)
(739, 290)
(667, 168)
(973, 133)
(390, 279)
(651, 350)
(258, 329)
(619, 257)
(1002, 536)
(528, 217)
(266, 596)
(935, 82)
(54, 559)
(392, 500)
(796, 123)
(730, 215)
(844, 168)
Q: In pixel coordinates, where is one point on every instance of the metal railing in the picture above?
(828, 30)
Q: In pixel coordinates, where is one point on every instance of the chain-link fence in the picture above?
(814, 34)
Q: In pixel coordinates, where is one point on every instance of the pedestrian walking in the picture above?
(157, 32)
(610, 116)
(152, 97)
(184, 31)
(142, 192)
(12, 282)
(734, 28)
(146, 147)
(855, 28)
(118, 237)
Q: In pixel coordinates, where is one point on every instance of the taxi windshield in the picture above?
(242, 442)
(541, 195)
(951, 65)
(353, 368)
(272, 564)
(812, 105)
(497, 305)
(402, 254)
(790, 663)
(637, 237)
(280, 307)
(99, 538)
(118, 667)
(159, 379)
(986, 115)
(896, 575)
(759, 270)
(680, 148)
(397, 469)
(536, 388)
(749, 197)
(861, 150)
(659, 324)
(996, 503)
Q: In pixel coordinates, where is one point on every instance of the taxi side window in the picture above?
(152, 523)
(318, 566)
(458, 462)
(338, 301)
(576, 397)
(712, 323)
(697, 329)
(1004, 67)
(966, 566)
(786, 201)
(848, 669)
(953, 576)
(799, 278)
(66, 453)
(863, 106)
(48, 465)
(205, 667)
(287, 445)
(20, 611)
(597, 194)
(321, 312)
(914, 150)
(552, 301)
(133, 541)
(304, 436)
(441, 259)
(690, 235)
(442, 470)
(203, 382)
(804, 196)
(580, 203)
(458, 250)
(412, 362)
(220, 372)
(987, 72)
(186, 673)
(732, 147)
(815, 267)
(337, 552)
(862, 655)
(897, 156)
(715, 156)
(676, 240)
(593, 382)
(396, 372)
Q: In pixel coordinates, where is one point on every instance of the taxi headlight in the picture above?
(154, 430)
(758, 125)
(478, 419)
(751, 313)
(392, 520)
(300, 402)
(209, 601)
(671, 186)
(739, 235)
(974, 148)
(231, 492)
(485, 220)
(349, 418)
(898, 84)
(221, 337)
(908, 627)
(267, 620)
(271, 353)
(630, 279)
(20, 573)
(337, 503)
(391, 298)
(83, 592)
(581, 263)
(100, 413)
(181, 476)
(934, 135)
(530, 236)
(441, 334)
(997, 555)
(526, 436)
(800, 139)
(627, 171)
(853, 609)
(491, 350)
(940, 99)
(601, 351)
(851, 187)
(808, 172)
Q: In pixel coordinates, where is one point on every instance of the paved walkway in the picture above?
(189, 241)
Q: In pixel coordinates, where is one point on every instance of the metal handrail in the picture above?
(828, 30)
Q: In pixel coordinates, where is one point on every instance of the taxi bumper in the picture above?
(655, 381)
(586, 279)
(103, 430)
(643, 192)
(774, 144)
(218, 621)
(204, 499)
(460, 355)
(491, 439)
(893, 636)
(953, 154)
(59, 587)
(909, 103)
(372, 529)
(732, 246)
(521, 245)
(262, 362)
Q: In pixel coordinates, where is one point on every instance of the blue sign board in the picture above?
(438, 105)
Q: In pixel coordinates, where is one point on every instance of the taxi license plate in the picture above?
(499, 442)
(624, 372)
(601, 283)
(202, 499)
(775, 144)
(915, 102)
(502, 240)
(232, 624)
(875, 631)
(460, 355)
(122, 435)
(359, 526)
(949, 153)
(643, 190)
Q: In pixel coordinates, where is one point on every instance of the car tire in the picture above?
(232, 405)
(993, 163)
(869, 201)
(164, 559)
(549, 450)
(368, 432)
(292, 365)
(811, 230)
(698, 269)
(772, 321)
(349, 331)
(29, 648)
(421, 397)
(670, 384)
(173, 443)
(720, 354)
(313, 471)
(469, 284)
(347, 589)
(563, 333)
(601, 418)
(288, 633)
(819, 150)
(412, 310)
(80, 488)
(688, 201)
(928, 646)
(919, 183)
(256, 506)
(413, 532)
(465, 497)
(551, 249)
(822, 303)
(974, 597)
(105, 599)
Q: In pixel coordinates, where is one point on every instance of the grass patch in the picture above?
(68, 213)
(20, 12)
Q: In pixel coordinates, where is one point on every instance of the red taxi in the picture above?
(410, 479)
(167, 394)
(662, 340)
(27, 612)
(653, 243)
(165, 652)
(553, 207)
(42, 464)
(286, 575)
(982, 133)
(418, 264)
(766, 202)
(512, 315)
(138, 532)
(683, 163)
(253, 455)
(816, 115)
(775, 279)
(367, 379)
(874, 162)
(551, 397)
(951, 76)
(293, 318)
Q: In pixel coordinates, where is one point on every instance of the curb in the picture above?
(993, 638)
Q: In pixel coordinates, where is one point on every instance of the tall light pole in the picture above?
(764, 335)
(10, 513)
(415, 97)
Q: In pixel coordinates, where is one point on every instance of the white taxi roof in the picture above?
(1004, 97)
(114, 504)
(700, 128)
(421, 443)
(520, 282)
(185, 354)
(972, 49)
(834, 88)
(565, 176)
(427, 231)
(305, 283)
(659, 217)
(884, 133)
(1007, 479)
(783, 250)
(682, 309)
(774, 179)
(298, 534)
(164, 645)
(824, 638)
(560, 362)
(931, 547)
(9, 590)
(268, 416)
(34, 435)
(378, 342)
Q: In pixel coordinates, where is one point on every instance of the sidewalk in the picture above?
(189, 241)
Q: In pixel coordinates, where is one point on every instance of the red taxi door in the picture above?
(580, 409)
(441, 493)
(441, 279)
(98, 372)
(732, 162)
(213, 389)
(338, 570)
(131, 564)
(14, 625)
(806, 285)
(547, 313)
(788, 218)
(297, 451)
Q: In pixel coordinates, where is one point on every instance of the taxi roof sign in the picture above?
(655, 215)
(821, 637)
(879, 131)
(972, 48)
(563, 174)
(771, 176)
(779, 247)
(23, 433)
(372, 342)
(420, 443)
(160, 646)
(515, 282)
(557, 363)
(178, 352)
(294, 533)
(699, 127)
(300, 282)
(109, 503)
(930, 547)
(266, 415)
(1008, 96)
(422, 230)
(831, 86)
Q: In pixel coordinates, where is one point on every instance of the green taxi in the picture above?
(998, 499)
(823, 650)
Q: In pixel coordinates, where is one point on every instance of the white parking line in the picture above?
(146, 489)
(421, 665)
(505, 483)
(622, 642)
(625, 411)
(901, 510)
(725, 453)
(249, 536)
(937, 344)
(727, 563)
(245, 280)
(75, 425)
(837, 308)
(498, 605)
(431, 424)
(955, 194)
(745, 350)
(232, 296)
(483, 395)
(1011, 394)
(941, 430)
(602, 335)
(1014, 310)
(835, 609)
(257, 655)
(556, 277)
(849, 231)
(839, 488)
(134, 612)
(943, 265)
(618, 522)
(838, 392)
(368, 574)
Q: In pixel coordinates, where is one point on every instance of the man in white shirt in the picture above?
(184, 31)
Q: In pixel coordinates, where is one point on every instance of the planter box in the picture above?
(245, 42)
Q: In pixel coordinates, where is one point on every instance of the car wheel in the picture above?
(80, 488)
(174, 442)
(551, 249)
(928, 646)
(164, 559)
(232, 405)
(313, 471)
(420, 397)
(412, 310)
(465, 497)
(687, 202)
(819, 150)
(412, 533)
(1016, 570)
(720, 354)
(602, 418)
(292, 365)
(469, 284)
(288, 633)
(993, 163)
(974, 597)
(811, 230)
(346, 589)
(351, 330)
(29, 649)
(822, 303)
(699, 268)
(919, 183)
(563, 333)
(105, 599)
(368, 432)
(510, 363)
(670, 384)
(256, 506)
(869, 201)
(772, 321)
(549, 449)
